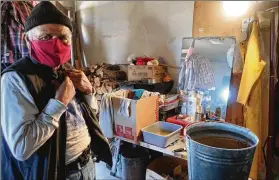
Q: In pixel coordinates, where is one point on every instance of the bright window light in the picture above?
(235, 8)
(225, 94)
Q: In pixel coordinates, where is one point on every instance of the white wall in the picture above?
(110, 31)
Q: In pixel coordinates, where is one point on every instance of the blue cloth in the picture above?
(137, 93)
(10, 167)
(87, 172)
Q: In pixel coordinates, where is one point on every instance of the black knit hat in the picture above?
(46, 13)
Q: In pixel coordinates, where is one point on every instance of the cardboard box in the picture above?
(143, 112)
(136, 73)
(166, 165)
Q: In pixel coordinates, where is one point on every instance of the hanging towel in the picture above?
(106, 116)
(234, 59)
(253, 66)
(124, 109)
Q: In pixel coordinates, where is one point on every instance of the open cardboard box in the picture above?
(143, 112)
(137, 73)
(165, 165)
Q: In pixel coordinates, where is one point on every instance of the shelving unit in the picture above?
(169, 150)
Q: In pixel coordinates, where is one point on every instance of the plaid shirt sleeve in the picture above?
(13, 15)
(205, 72)
(197, 71)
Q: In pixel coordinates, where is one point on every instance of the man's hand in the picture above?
(65, 92)
(80, 81)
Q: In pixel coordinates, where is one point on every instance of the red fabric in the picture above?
(34, 3)
(51, 53)
(130, 95)
(143, 60)
(181, 122)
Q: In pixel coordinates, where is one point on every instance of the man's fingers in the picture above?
(76, 83)
(77, 79)
(67, 79)
(73, 70)
(74, 74)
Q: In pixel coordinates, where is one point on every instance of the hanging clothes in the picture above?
(253, 66)
(124, 109)
(250, 92)
(13, 17)
(106, 116)
(196, 72)
(234, 59)
(106, 112)
(234, 113)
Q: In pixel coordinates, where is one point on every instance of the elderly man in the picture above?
(49, 129)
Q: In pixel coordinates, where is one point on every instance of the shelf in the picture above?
(169, 150)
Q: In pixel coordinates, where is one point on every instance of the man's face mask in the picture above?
(51, 53)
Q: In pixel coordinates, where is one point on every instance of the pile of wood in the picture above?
(105, 78)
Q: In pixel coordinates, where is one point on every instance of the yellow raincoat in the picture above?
(250, 91)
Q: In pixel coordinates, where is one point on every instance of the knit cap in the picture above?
(46, 13)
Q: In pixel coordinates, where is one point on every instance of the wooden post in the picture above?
(270, 137)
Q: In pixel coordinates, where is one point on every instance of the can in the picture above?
(218, 112)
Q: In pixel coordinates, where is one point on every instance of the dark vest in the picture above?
(48, 162)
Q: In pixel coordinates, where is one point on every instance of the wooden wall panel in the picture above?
(210, 17)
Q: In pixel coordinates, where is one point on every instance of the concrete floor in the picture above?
(103, 173)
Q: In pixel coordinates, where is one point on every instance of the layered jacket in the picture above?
(48, 162)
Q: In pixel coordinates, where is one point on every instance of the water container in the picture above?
(219, 151)
(134, 162)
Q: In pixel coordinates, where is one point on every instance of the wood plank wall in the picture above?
(210, 16)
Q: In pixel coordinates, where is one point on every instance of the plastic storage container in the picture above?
(182, 122)
(161, 133)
